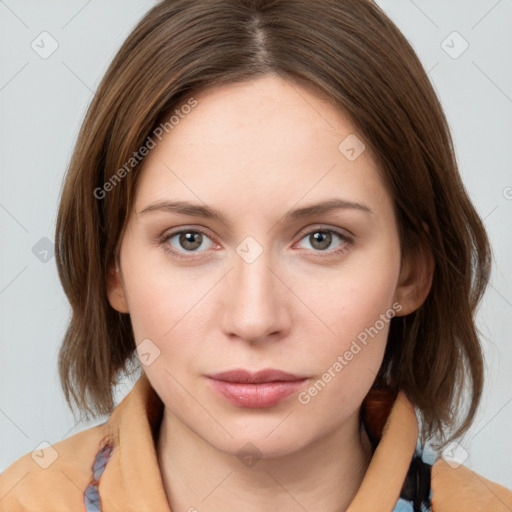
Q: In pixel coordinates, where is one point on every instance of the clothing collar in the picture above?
(132, 478)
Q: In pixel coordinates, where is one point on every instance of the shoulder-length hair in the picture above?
(349, 51)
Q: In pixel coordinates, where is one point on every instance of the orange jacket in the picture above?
(114, 466)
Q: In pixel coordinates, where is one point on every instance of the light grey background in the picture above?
(43, 101)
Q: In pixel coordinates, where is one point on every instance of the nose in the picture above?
(257, 300)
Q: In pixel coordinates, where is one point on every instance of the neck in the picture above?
(324, 475)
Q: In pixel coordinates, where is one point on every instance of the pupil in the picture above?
(320, 237)
(187, 240)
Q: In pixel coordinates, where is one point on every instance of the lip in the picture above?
(264, 388)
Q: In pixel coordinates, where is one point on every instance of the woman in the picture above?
(264, 210)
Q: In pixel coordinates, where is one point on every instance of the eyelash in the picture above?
(346, 241)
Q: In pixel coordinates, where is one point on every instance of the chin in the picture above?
(257, 443)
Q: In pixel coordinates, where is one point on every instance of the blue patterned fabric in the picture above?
(416, 494)
(92, 501)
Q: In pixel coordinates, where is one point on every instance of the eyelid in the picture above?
(343, 232)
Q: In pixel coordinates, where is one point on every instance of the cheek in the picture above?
(349, 360)
(167, 305)
(358, 307)
(148, 302)
(353, 299)
(366, 300)
(155, 300)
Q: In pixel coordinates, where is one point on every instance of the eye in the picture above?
(321, 239)
(186, 240)
(191, 240)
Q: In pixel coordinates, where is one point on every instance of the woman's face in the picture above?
(275, 284)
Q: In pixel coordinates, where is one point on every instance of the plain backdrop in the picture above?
(465, 46)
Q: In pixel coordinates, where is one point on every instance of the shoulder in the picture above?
(54, 477)
(460, 488)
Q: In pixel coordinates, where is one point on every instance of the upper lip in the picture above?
(248, 377)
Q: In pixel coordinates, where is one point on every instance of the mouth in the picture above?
(264, 388)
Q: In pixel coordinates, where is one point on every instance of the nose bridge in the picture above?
(254, 276)
(253, 279)
(255, 307)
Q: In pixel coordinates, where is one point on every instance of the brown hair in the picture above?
(352, 53)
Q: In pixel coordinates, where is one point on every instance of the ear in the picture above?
(415, 280)
(115, 290)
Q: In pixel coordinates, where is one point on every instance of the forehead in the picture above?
(255, 112)
(259, 142)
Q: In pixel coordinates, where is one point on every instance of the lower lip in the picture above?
(264, 394)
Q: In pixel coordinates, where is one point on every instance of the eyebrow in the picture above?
(198, 210)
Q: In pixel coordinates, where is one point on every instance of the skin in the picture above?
(254, 151)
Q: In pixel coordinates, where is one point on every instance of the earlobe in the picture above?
(115, 290)
(415, 280)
